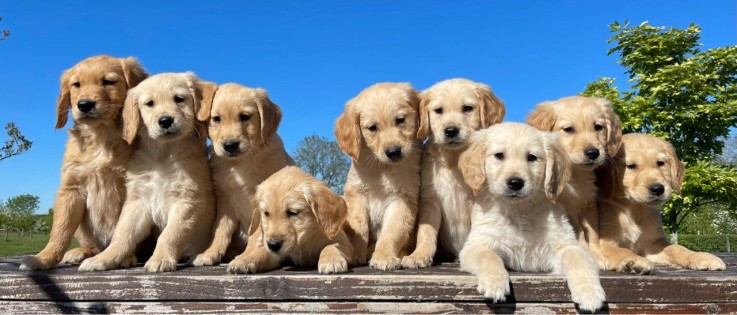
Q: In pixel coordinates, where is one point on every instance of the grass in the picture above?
(24, 245)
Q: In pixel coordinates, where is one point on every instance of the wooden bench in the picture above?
(440, 289)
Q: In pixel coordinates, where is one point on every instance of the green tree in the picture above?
(20, 210)
(17, 143)
(322, 158)
(681, 94)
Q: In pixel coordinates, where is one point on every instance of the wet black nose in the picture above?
(166, 121)
(656, 189)
(274, 245)
(451, 132)
(231, 146)
(394, 153)
(515, 183)
(591, 153)
(85, 105)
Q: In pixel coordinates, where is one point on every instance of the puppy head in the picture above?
(94, 89)
(452, 109)
(590, 130)
(515, 161)
(241, 119)
(647, 170)
(294, 208)
(166, 104)
(382, 120)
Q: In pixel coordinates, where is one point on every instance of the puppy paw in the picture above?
(97, 263)
(636, 265)
(76, 255)
(243, 266)
(416, 261)
(206, 259)
(38, 263)
(385, 263)
(160, 265)
(705, 261)
(129, 262)
(494, 286)
(590, 297)
(332, 265)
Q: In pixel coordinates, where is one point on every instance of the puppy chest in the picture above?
(162, 191)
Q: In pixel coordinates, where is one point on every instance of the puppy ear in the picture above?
(613, 127)
(131, 116)
(557, 170)
(414, 101)
(208, 95)
(269, 113)
(492, 109)
(423, 112)
(472, 164)
(255, 216)
(64, 102)
(329, 209)
(348, 132)
(677, 169)
(609, 176)
(543, 117)
(132, 71)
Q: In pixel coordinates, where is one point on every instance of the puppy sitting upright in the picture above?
(295, 217)
(242, 126)
(449, 111)
(517, 173)
(643, 177)
(168, 180)
(378, 130)
(92, 175)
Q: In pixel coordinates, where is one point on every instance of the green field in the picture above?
(24, 245)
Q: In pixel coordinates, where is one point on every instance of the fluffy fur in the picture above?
(584, 124)
(168, 180)
(92, 174)
(379, 131)
(644, 175)
(517, 173)
(242, 126)
(449, 112)
(296, 217)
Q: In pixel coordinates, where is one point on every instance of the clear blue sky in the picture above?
(312, 56)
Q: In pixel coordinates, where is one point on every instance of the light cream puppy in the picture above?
(378, 130)
(242, 126)
(298, 218)
(517, 172)
(449, 112)
(168, 180)
(92, 189)
(644, 176)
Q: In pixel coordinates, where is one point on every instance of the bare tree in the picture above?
(322, 158)
(17, 143)
(4, 33)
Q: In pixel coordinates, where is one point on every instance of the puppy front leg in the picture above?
(398, 221)
(88, 246)
(623, 259)
(256, 258)
(222, 233)
(173, 238)
(582, 276)
(334, 257)
(357, 227)
(590, 225)
(671, 254)
(428, 224)
(478, 259)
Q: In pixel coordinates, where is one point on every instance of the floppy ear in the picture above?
(348, 132)
(414, 101)
(472, 164)
(131, 116)
(613, 127)
(609, 176)
(269, 113)
(208, 95)
(423, 128)
(492, 108)
(557, 170)
(64, 102)
(677, 169)
(132, 71)
(329, 209)
(255, 216)
(543, 117)
(196, 87)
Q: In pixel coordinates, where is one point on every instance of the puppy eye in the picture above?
(568, 130)
(266, 213)
(632, 166)
(150, 103)
(107, 82)
(399, 121)
(661, 163)
(291, 213)
(467, 108)
(243, 117)
(178, 99)
(499, 156)
(598, 127)
(439, 110)
(531, 158)
(76, 84)
(216, 119)
(372, 128)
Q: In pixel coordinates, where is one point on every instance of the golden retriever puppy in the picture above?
(296, 217)
(517, 173)
(379, 131)
(644, 175)
(449, 112)
(92, 175)
(591, 134)
(242, 126)
(168, 180)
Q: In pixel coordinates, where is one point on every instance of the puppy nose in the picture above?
(85, 105)
(591, 153)
(451, 132)
(394, 153)
(656, 189)
(515, 183)
(231, 146)
(166, 121)
(274, 245)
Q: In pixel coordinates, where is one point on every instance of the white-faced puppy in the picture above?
(242, 126)
(590, 133)
(378, 130)
(449, 112)
(168, 179)
(92, 189)
(517, 172)
(298, 218)
(644, 175)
